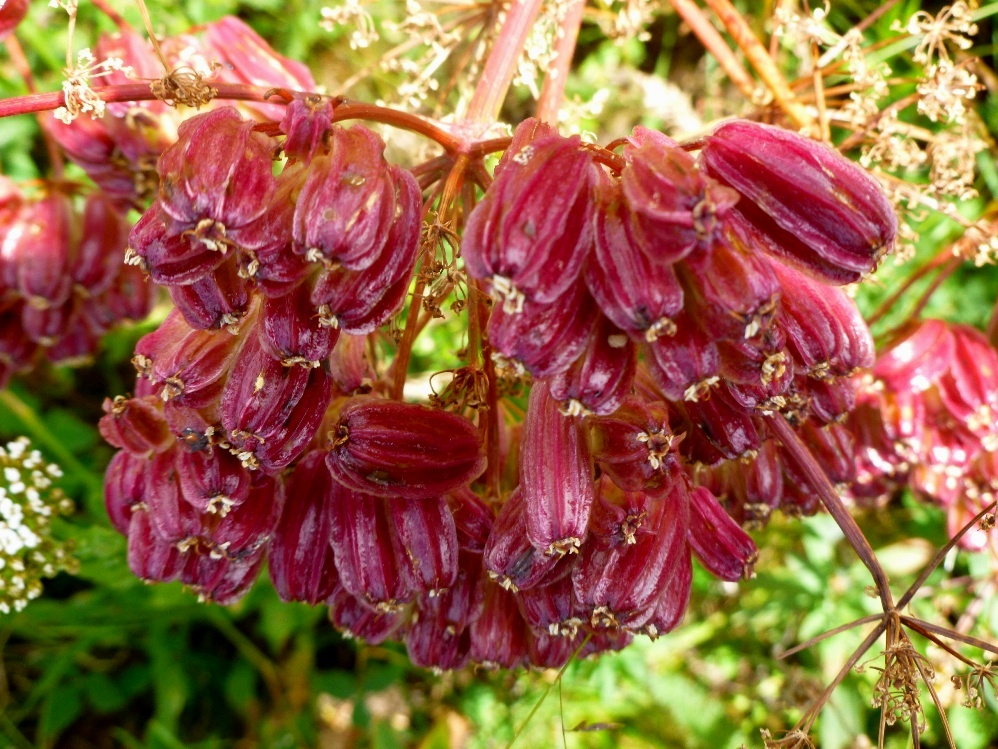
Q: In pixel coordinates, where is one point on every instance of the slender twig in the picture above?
(714, 43)
(830, 633)
(886, 306)
(951, 634)
(759, 58)
(941, 555)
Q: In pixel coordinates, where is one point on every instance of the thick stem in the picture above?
(757, 55)
(799, 453)
(711, 39)
(500, 67)
(553, 91)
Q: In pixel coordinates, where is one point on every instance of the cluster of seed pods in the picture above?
(925, 418)
(62, 283)
(663, 307)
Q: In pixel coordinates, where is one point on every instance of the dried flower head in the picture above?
(28, 502)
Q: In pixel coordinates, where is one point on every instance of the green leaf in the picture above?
(61, 708)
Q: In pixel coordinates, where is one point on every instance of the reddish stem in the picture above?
(816, 477)
(714, 43)
(500, 67)
(557, 75)
(347, 110)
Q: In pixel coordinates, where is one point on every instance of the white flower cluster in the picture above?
(28, 501)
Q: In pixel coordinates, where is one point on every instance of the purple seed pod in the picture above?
(635, 445)
(619, 585)
(829, 400)
(730, 286)
(149, 556)
(294, 330)
(825, 332)
(97, 264)
(834, 448)
(218, 299)
(509, 557)
(301, 562)
(719, 428)
(358, 620)
(348, 201)
(499, 635)
(45, 324)
(16, 350)
(438, 635)
(307, 120)
(350, 365)
(215, 152)
(552, 609)
(212, 480)
(673, 206)
(619, 517)
(41, 245)
(532, 231)
(552, 651)
(230, 581)
(271, 411)
(431, 643)
(556, 476)
(637, 294)
(425, 540)
(359, 301)
(685, 365)
(473, 519)
(394, 449)
(922, 358)
(749, 492)
(719, 543)
(599, 380)
(544, 338)
(189, 367)
(366, 559)
(12, 12)
(171, 253)
(245, 530)
(124, 488)
(250, 60)
(671, 605)
(267, 256)
(814, 207)
(762, 362)
(136, 425)
(173, 519)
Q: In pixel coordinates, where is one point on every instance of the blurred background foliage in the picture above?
(103, 660)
